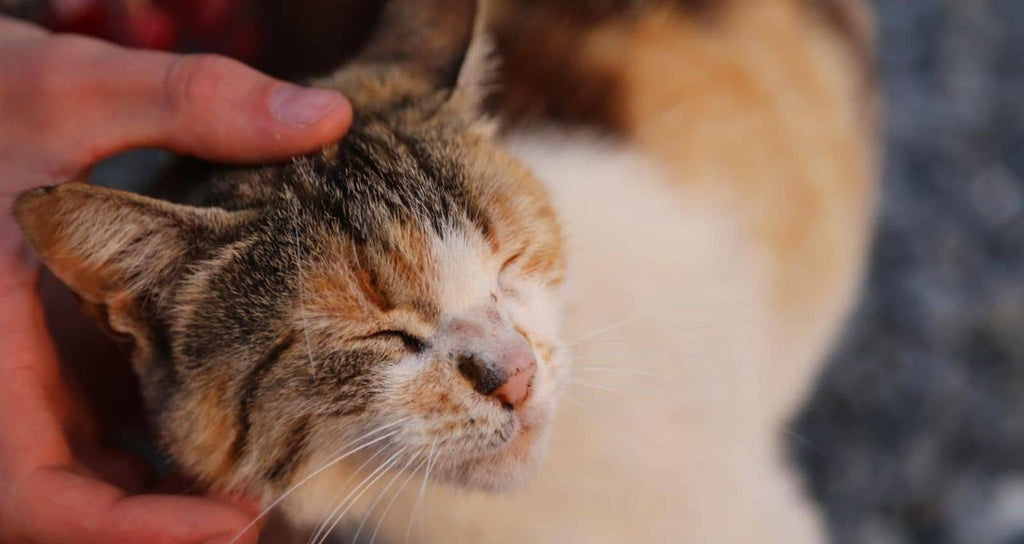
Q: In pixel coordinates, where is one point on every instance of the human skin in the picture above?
(65, 103)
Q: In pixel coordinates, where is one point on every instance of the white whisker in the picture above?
(614, 326)
(302, 296)
(575, 400)
(361, 488)
(380, 496)
(419, 496)
(433, 494)
(612, 369)
(391, 502)
(433, 490)
(600, 387)
(802, 439)
(328, 512)
(338, 501)
(603, 330)
(325, 466)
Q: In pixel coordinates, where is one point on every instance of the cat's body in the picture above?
(712, 166)
(714, 243)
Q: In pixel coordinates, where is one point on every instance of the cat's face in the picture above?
(406, 280)
(397, 294)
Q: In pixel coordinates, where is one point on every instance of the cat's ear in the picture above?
(440, 41)
(117, 250)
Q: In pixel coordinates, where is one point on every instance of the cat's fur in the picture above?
(712, 164)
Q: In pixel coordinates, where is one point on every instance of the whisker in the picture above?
(603, 330)
(612, 369)
(600, 387)
(383, 492)
(802, 439)
(391, 502)
(438, 460)
(302, 296)
(433, 494)
(419, 496)
(326, 465)
(328, 512)
(630, 355)
(632, 338)
(592, 336)
(361, 488)
(578, 402)
(328, 523)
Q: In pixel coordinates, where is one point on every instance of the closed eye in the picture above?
(511, 260)
(504, 280)
(411, 342)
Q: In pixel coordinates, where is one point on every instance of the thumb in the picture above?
(96, 99)
(217, 108)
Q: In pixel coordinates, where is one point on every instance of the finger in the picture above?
(34, 407)
(13, 29)
(55, 505)
(218, 108)
(92, 99)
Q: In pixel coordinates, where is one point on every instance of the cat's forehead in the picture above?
(465, 271)
(420, 273)
(381, 175)
(411, 216)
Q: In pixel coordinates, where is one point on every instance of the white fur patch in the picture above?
(664, 436)
(465, 271)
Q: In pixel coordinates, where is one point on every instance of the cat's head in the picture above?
(399, 291)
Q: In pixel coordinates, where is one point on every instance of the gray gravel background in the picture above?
(916, 430)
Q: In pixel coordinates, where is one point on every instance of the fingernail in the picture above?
(302, 107)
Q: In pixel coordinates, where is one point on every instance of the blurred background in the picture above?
(915, 432)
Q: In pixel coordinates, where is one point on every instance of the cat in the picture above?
(679, 193)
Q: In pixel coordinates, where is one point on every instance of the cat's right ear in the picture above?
(117, 250)
(440, 41)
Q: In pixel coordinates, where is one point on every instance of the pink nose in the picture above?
(517, 386)
(506, 378)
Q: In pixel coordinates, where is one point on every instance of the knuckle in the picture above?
(194, 80)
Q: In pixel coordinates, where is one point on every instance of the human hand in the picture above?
(66, 102)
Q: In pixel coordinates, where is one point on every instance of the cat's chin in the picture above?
(510, 467)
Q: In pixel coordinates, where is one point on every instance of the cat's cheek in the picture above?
(410, 387)
(535, 307)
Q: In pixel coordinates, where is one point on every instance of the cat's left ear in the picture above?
(117, 250)
(441, 42)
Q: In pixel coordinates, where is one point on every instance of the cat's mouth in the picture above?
(512, 459)
(510, 462)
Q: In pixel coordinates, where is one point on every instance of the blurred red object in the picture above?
(244, 41)
(221, 26)
(90, 17)
(207, 18)
(149, 27)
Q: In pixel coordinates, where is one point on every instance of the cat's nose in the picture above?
(506, 377)
(517, 385)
